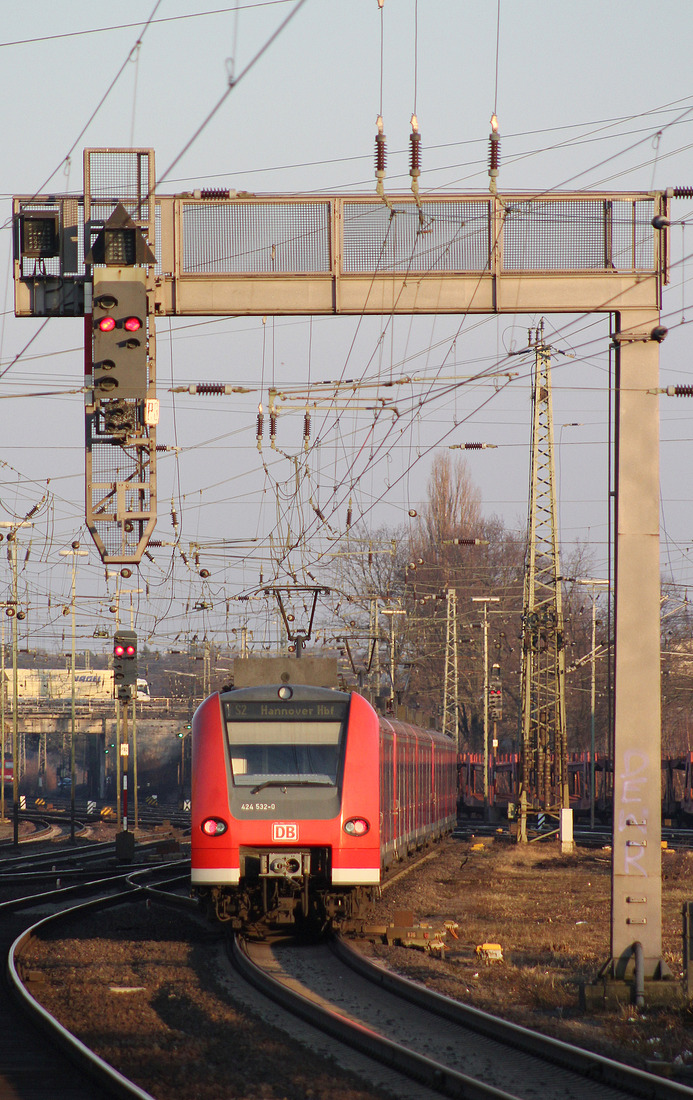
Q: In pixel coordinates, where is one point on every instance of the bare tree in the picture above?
(453, 508)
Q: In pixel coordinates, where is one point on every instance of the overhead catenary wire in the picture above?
(232, 83)
(342, 434)
(108, 29)
(103, 99)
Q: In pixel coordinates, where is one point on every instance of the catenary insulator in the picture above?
(273, 429)
(348, 521)
(471, 446)
(260, 426)
(679, 391)
(306, 430)
(493, 152)
(211, 387)
(683, 192)
(380, 153)
(415, 153)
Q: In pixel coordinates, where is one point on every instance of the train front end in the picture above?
(285, 806)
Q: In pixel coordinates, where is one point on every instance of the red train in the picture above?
(301, 798)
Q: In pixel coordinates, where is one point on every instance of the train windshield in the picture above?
(287, 744)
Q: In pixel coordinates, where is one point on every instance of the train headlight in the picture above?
(285, 692)
(356, 826)
(213, 826)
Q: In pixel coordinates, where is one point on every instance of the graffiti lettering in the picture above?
(633, 784)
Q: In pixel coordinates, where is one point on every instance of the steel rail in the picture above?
(108, 1078)
(418, 1067)
(595, 1067)
(101, 881)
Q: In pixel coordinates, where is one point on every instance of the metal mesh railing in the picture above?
(118, 175)
(445, 235)
(116, 540)
(578, 235)
(632, 239)
(70, 264)
(112, 465)
(248, 238)
(455, 235)
(442, 236)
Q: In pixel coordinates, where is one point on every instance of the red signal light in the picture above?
(118, 650)
(107, 324)
(132, 324)
(130, 651)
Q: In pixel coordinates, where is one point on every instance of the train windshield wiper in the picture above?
(284, 783)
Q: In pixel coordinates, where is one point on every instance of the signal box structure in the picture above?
(228, 253)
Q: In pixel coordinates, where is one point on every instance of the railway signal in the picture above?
(495, 702)
(124, 661)
(120, 333)
(495, 694)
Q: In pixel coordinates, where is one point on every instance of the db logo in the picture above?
(284, 830)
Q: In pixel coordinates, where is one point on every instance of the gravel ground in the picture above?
(551, 916)
(144, 993)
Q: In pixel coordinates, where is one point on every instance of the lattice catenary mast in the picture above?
(544, 744)
(451, 703)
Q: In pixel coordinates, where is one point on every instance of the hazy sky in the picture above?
(589, 95)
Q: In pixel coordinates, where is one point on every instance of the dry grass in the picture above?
(551, 914)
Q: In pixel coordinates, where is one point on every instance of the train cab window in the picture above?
(289, 743)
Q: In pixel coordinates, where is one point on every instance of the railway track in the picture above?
(443, 1047)
(30, 1067)
(296, 1060)
(455, 1050)
(481, 1056)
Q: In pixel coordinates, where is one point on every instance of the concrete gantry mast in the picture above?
(544, 743)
